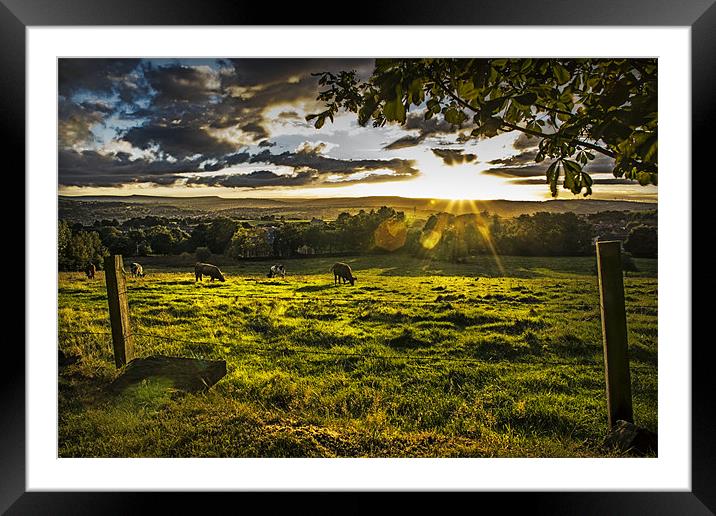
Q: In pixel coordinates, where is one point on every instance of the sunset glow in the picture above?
(237, 129)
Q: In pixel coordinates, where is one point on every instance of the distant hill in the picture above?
(88, 208)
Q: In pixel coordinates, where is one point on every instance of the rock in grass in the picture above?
(627, 437)
(186, 374)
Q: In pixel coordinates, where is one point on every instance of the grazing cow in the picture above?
(343, 271)
(90, 270)
(136, 269)
(277, 270)
(207, 269)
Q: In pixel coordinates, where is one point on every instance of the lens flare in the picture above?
(484, 228)
(391, 234)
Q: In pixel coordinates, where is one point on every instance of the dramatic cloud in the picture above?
(75, 122)
(183, 84)
(240, 123)
(524, 165)
(526, 171)
(405, 141)
(105, 77)
(90, 168)
(256, 179)
(415, 121)
(178, 141)
(308, 159)
(523, 158)
(308, 166)
(525, 141)
(597, 181)
(454, 156)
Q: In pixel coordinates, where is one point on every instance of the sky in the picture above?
(237, 128)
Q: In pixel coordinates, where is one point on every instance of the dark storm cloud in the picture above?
(310, 159)
(75, 122)
(600, 163)
(304, 178)
(525, 141)
(525, 171)
(104, 76)
(606, 181)
(289, 115)
(92, 74)
(405, 141)
(519, 159)
(178, 83)
(192, 118)
(256, 179)
(90, 168)
(416, 121)
(435, 125)
(256, 129)
(524, 165)
(264, 71)
(178, 141)
(101, 107)
(454, 156)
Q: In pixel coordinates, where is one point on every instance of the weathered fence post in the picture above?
(614, 332)
(118, 310)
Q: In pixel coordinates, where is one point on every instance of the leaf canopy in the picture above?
(574, 107)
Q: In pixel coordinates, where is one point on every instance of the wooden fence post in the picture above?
(118, 310)
(614, 332)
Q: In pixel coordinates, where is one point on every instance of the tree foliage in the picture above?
(76, 250)
(642, 242)
(574, 107)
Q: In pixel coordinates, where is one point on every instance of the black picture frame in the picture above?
(699, 15)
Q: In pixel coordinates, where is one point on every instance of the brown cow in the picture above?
(343, 271)
(209, 270)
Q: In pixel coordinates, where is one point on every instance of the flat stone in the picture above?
(187, 374)
(630, 438)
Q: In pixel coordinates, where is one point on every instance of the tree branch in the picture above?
(575, 141)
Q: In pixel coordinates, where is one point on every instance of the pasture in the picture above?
(418, 359)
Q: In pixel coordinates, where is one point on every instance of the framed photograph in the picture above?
(428, 255)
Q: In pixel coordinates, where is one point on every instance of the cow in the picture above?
(90, 270)
(201, 269)
(136, 269)
(277, 270)
(342, 271)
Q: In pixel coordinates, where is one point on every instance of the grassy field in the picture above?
(456, 360)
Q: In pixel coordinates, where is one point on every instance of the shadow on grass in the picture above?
(315, 288)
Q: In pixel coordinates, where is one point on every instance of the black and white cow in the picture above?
(277, 270)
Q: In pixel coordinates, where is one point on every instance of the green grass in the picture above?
(484, 361)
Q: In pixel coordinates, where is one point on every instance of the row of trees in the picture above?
(347, 234)
(443, 236)
(161, 236)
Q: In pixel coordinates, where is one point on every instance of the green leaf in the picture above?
(644, 178)
(560, 73)
(526, 99)
(454, 116)
(552, 177)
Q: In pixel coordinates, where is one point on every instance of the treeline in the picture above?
(442, 237)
